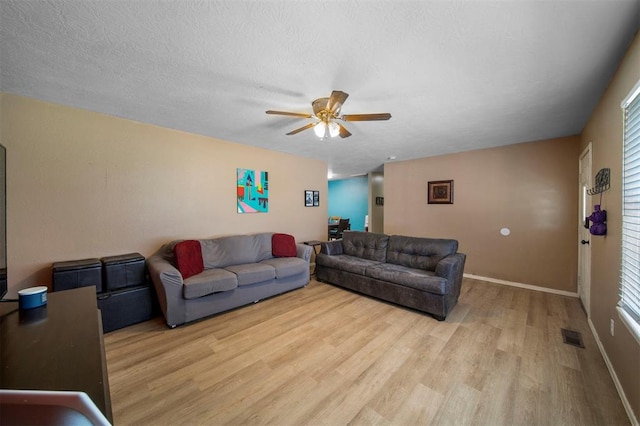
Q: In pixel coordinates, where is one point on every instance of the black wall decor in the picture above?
(311, 198)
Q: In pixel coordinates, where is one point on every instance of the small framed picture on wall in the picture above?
(440, 192)
(311, 198)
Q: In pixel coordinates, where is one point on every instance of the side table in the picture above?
(314, 244)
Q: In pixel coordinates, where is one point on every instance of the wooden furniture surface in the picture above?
(314, 243)
(56, 347)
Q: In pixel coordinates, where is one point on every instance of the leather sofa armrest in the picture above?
(332, 248)
(446, 267)
(452, 268)
(451, 265)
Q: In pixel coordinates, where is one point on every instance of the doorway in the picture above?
(584, 237)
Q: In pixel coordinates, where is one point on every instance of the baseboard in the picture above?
(520, 285)
(614, 376)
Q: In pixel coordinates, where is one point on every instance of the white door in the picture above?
(584, 237)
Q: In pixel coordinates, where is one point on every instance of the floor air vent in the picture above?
(571, 337)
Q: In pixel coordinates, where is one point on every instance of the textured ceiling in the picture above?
(455, 75)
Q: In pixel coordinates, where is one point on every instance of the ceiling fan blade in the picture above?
(298, 130)
(292, 114)
(366, 117)
(336, 101)
(344, 133)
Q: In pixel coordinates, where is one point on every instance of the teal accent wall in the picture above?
(348, 199)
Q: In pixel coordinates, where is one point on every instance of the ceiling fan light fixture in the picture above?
(326, 111)
(334, 129)
(320, 129)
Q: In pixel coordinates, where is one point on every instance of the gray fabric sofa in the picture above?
(420, 273)
(238, 270)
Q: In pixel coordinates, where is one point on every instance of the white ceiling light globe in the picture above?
(320, 129)
(334, 129)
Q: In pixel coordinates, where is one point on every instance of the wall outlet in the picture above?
(612, 327)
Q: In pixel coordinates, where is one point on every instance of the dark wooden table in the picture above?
(314, 244)
(56, 347)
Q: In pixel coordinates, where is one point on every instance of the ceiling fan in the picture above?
(327, 111)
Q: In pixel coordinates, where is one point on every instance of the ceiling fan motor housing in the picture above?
(321, 110)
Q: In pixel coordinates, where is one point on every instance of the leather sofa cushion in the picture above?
(414, 278)
(251, 273)
(207, 282)
(365, 245)
(419, 253)
(287, 266)
(345, 263)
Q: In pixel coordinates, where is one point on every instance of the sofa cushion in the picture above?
(419, 253)
(332, 247)
(366, 245)
(252, 273)
(414, 278)
(188, 255)
(288, 266)
(207, 282)
(346, 263)
(283, 245)
(236, 250)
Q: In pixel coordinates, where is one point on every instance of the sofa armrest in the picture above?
(452, 268)
(303, 251)
(168, 283)
(331, 248)
(165, 272)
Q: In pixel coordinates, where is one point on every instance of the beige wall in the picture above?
(604, 132)
(82, 184)
(376, 212)
(530, 188)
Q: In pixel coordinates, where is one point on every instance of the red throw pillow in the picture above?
(283, 245)
(189, 258)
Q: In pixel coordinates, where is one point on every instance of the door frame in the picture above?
(584, 251)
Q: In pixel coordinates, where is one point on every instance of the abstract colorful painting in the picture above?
(253, 191)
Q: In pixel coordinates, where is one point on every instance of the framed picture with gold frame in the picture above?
(440, 192)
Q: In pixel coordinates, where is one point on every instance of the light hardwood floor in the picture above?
(324, 355)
